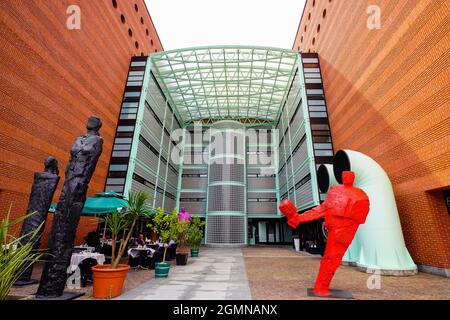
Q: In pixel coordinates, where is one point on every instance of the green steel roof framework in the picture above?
(226, 82)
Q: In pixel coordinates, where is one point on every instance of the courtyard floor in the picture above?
(261, 272)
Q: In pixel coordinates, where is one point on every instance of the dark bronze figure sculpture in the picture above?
(83, 159)
(44, 186)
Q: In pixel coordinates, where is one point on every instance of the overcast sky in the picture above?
(191, 23)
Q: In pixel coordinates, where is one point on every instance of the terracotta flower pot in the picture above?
(108, 282)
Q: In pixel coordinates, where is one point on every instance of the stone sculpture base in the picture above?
(23, 283)
(65, 296)
(334, 293)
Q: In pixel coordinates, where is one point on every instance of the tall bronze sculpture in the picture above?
(44, 186)
(83, 159)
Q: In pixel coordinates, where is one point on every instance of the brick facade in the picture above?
(387, 96)
(53, 79)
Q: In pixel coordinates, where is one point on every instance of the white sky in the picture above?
(192, 23)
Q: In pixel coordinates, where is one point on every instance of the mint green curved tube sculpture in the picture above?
(379, 243)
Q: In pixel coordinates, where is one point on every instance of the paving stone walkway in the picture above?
(218, 274)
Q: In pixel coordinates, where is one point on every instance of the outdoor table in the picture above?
(77, 258)
(141, 253)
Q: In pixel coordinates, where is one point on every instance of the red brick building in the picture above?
(53, 78)
(387, 94)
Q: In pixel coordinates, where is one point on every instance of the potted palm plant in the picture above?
(182, 228)
(194, 235)
(109, 278)
(166, 226)
(15, 257)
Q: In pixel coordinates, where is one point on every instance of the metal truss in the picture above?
(227, 82)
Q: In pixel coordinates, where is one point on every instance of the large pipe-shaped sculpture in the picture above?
(325, 177)
(379, 243)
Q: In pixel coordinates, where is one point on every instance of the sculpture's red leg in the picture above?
(331, 260)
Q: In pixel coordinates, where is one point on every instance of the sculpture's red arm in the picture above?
(314, 213)
(288, 208)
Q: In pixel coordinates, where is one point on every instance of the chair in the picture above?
(86, 270)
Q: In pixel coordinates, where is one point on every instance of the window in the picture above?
(142, 20)
(122, 18)
(114, 3)
(136, 7)
(136, 44)
(324, 13)
(313, 41)
(146, 32)
(130, 32)
(318, 28)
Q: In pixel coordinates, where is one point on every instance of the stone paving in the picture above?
(284, 274)
(261, 272)
(218, 274)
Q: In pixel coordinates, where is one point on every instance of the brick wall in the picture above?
(53, 79)
(387, 96)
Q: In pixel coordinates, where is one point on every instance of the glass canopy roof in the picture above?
(228, 82)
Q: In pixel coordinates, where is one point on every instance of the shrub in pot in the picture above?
(165, 225)
(194, 235)
(109, 278)
(15, 257)
(182, 228)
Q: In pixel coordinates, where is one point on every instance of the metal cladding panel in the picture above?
(298, 137)
(301, 174)
(144, 174)
(262, 207)
(169, 204)
(300, 156)
(145, 155)
(172, 177)
(152, 124)
(156, 96)
(154, 142)
(261, 183)
(226, 198)
(304, 193)
(296, 121)
(166, 141)
(137, 186)
(226, 230)
(194, 207)
(253, 195)
(158, 200)
(227, 172)
(194, 183)
(185, 194)
(258, 170)
(162, 169)
(195, 171)
(171, 190)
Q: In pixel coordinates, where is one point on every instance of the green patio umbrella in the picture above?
(100, 204)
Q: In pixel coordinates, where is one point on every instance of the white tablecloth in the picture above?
(78, 257)
(134, 252)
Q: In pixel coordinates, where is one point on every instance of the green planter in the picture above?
(162, 269)
(194, 252)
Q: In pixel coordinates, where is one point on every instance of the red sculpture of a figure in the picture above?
(344, 209)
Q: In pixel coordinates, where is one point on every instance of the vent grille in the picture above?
(226, 230)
